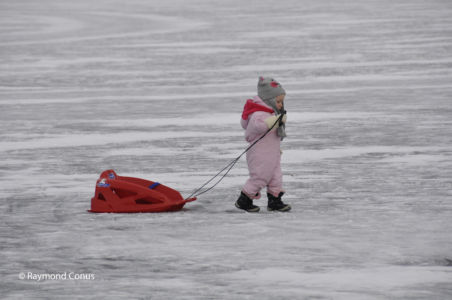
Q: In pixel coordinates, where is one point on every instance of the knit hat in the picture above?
(268, 88)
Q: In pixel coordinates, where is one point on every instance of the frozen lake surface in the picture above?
(154, 89)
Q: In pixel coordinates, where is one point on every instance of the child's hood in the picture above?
(253, 105)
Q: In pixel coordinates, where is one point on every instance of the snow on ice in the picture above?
(154, 89)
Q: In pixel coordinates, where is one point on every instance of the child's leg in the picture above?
(275, 192)
(260, 172)
(253, 187)
(274, 187)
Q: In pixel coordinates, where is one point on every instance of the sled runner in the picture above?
(120, 194)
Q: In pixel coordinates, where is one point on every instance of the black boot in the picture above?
(244, 202)
(275, 203)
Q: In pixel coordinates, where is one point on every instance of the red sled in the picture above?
(120, 194)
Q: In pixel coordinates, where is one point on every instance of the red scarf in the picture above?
(252, 107)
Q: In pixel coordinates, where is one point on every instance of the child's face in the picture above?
(280, 101)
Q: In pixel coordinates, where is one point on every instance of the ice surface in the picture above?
(154, 89)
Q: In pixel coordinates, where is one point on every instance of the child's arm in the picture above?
(244, 123)
(257, 123)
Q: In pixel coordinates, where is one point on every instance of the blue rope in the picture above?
(154, 185)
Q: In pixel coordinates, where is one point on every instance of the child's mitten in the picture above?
(271, 120)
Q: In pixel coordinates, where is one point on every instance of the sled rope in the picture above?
(229, 166)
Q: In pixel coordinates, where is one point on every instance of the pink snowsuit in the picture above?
(264, 159)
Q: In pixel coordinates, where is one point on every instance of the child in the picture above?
(264, 158)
